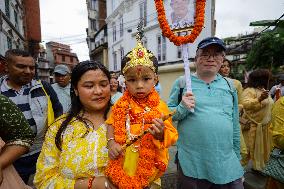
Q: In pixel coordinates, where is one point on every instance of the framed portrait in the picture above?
(181, 14)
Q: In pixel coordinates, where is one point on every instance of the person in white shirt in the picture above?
(280, 87)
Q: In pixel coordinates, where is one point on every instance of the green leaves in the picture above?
(267, 52)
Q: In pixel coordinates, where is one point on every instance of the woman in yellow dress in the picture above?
(74, 153)
(257, 105)
(278, 137)
(225, 71)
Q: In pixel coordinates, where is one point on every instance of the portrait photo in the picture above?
(181, 13)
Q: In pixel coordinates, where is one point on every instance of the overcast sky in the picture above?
(66, 20)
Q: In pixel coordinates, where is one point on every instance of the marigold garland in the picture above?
(197, 28)
(147, 156)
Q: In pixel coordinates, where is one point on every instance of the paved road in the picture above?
(253, 180)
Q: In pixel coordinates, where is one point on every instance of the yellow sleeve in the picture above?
(249, 100)
(278, 123)
(47, 167)
(109, 120)
(239, 88)
(170, 132)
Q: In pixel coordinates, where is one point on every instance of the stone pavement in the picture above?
(253, 179)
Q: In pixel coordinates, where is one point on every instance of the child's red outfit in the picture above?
(145, 160)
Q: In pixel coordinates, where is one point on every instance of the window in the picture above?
(112, 5)
(9, 42)
(93, 4)
(121, 53)
(121, 26)
(16, 19)
(179, 49)
(236, 57)
(7, 8)
(63, 58)
(179, 53)
(164, 48)
(93, 24)
(113, 32)
(143, 12)
(161, 41)
(71, 59)
(114, 61)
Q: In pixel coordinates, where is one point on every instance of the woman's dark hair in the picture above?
(76, 105)
(229, 62)
(153, 59)
(119, 89)
(259, 78)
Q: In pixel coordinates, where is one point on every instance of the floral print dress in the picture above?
(84, 154)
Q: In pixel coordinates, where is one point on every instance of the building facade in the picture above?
(12, 34)
(58, 53)
(20, 25)
(43, 68)
(122, 20)
(97, 31)
(238, 48)
(32, 27)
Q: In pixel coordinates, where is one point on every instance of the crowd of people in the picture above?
(115, 131)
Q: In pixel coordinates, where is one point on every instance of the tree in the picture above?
(267, 52)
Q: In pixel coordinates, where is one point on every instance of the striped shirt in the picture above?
(21, 99)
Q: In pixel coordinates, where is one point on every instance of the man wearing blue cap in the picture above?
(62, 75)
(209, 137)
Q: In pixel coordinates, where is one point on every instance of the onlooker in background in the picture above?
(20, 87)
(225, 71)
(62, 85)
(209, 138)
(74, 154)
(18, 136)
(257, 105)
(121, 82)
(278, 140)
(278, 88)
(114, 90)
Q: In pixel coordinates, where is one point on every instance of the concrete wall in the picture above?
(167, 76)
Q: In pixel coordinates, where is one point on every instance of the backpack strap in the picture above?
(231, 86)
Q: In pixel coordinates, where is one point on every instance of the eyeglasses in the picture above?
(215, 55)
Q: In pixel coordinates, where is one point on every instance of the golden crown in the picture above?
(139, 56)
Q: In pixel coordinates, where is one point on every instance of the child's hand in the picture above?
(157, 129)
(114, 149)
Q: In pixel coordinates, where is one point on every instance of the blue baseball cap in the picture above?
(211, 41)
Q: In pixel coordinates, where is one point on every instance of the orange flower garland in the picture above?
(166, 30)
(147, 156)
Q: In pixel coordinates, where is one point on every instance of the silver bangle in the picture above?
(106, 184)
(110, 139)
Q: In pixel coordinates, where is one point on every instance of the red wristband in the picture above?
(90, 182)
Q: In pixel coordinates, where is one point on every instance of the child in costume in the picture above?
(139, 111)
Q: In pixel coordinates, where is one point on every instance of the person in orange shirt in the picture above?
(139, 116)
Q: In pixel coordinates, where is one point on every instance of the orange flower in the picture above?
(197, 28)
(146, 164)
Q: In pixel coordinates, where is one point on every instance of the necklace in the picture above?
(147, 150)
